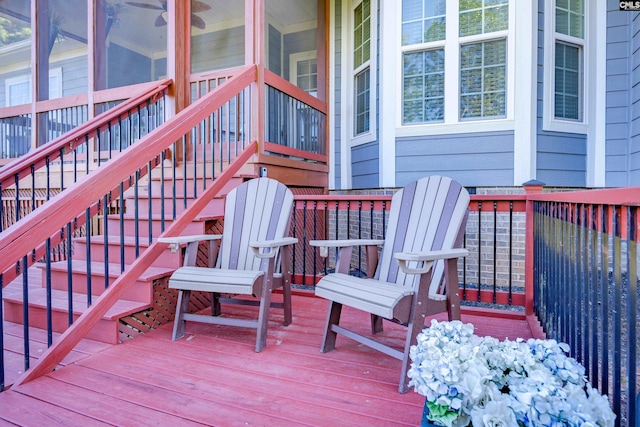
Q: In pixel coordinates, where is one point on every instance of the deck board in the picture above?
(213, 377)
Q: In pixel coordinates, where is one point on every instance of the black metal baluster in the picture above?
(105, 237)
(121, 209)
(25, 310)
(87, 226)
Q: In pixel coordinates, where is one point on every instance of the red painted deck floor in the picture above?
(213, 377)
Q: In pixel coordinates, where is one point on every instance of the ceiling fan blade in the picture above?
(197, 22)
(198, 6)
(144, 5)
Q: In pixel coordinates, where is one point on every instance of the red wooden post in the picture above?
(530, 187)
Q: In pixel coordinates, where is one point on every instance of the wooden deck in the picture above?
(213, 377)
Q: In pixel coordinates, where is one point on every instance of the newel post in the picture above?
(531, 187)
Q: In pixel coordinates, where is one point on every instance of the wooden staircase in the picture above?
(146, 305)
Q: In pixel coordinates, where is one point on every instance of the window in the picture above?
(423, 22)
(362, 67)
(475, 50)
(304, 71)
(569, 42)
(483, 69)
(565, 69)
(18, 89)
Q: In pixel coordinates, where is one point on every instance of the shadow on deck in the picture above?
(213, 377)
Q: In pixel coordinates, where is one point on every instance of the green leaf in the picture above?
(441, 414)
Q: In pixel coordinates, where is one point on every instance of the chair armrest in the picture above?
(270, 245)
(324, 245)
(427, 258)
(177, 241)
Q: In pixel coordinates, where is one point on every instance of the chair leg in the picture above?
(181, 307)
(286, 300)
(415, 326)
(376, 324)
(333, 318)
(263, 315)
(452, 289)
(215, 304)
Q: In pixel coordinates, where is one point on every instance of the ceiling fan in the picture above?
(196, 7)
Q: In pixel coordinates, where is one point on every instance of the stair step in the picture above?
(214, 207)
(165, 259)
(157, 183)
(106, 330)
(141, 291)
(113, 224)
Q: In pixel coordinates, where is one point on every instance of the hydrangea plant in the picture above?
(469, 380)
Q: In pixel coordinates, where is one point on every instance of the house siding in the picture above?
(634, 52)
(301, 41)
(473, 159)
(274, 50)
(365, 167)
(618, 111)
(561, 158)
(227, 46)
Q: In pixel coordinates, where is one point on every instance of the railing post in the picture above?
(530, 187)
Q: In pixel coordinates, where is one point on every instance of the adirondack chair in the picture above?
(252, 258)
(416, 275)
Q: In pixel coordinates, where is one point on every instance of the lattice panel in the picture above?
(162, 311)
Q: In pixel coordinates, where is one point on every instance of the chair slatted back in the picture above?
(257, 210)
(425, 215)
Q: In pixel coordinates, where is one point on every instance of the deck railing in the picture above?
(96, 205)
(585, 278)
(491, 276)
(28, 182)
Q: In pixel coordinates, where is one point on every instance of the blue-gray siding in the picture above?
(218, 50)
(561, 157)
(301, 41)
(365, 168)
(474, 159)
(634, 158)
(275, 50)
(618, 106)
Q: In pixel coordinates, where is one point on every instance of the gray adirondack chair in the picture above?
(416, 275)
(250, 257)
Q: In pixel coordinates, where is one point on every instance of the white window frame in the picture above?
(550, 122)
(15, 81)
(26, 78)
(452, 124)
(294, 58)
(370, 135)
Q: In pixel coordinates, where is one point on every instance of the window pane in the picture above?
(477, 17)
(423, 21)
(496, 18)
(15, 50)
(411, 33)
(567, 81)
(423, 86)
(361, 33)
(570, 17)
(411, 10)
(470, 23)
(483, 79)
(362, 102)
(434, 29)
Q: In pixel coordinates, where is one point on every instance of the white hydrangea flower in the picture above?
(502, 383)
